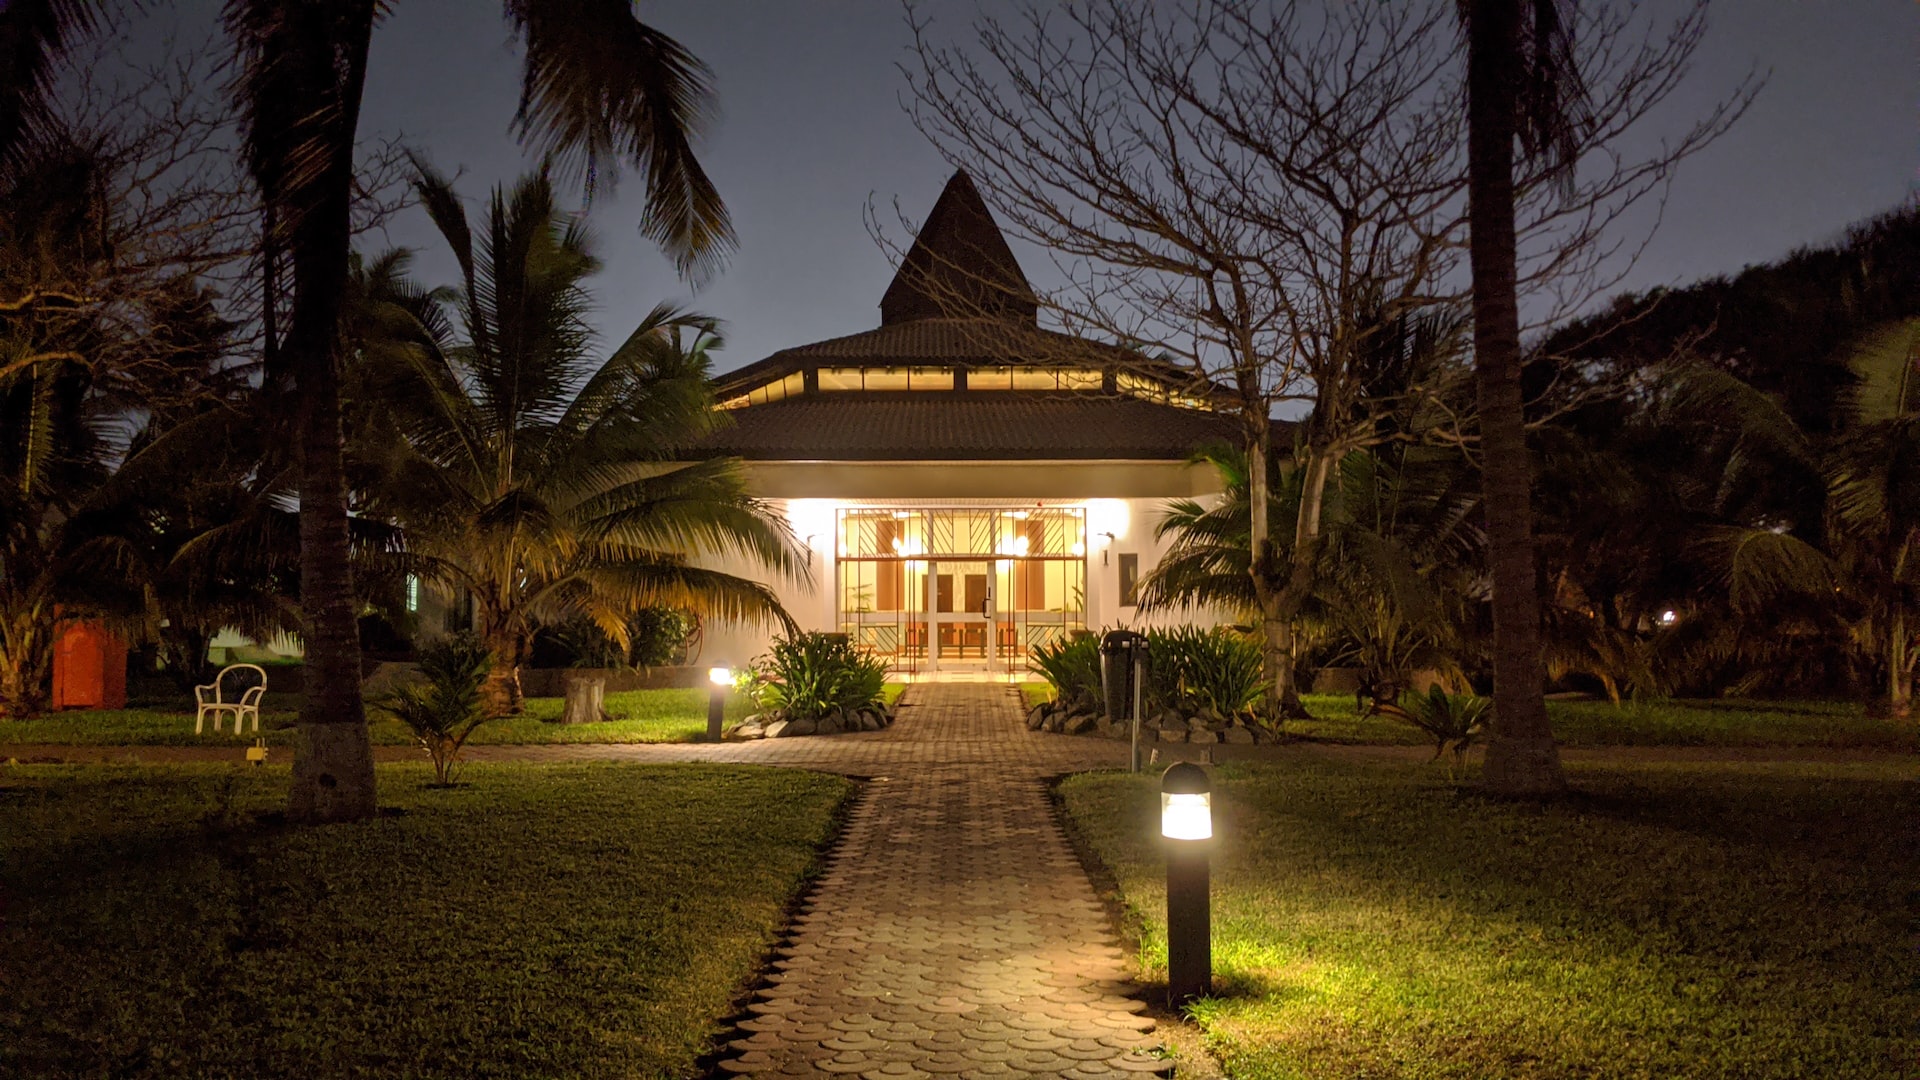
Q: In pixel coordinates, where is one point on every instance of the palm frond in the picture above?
(600, 89)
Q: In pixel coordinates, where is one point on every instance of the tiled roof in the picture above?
(1005, 425)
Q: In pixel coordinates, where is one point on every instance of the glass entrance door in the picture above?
(960, 613)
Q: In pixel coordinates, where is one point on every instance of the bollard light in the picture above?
(722, 678)
(1186, 823)
(1186, 803)
(1186, 815)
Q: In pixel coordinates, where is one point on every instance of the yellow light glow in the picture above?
(1186, 817)
(720, 676)
(811, 517)
(1078, 548)
(1108, 516)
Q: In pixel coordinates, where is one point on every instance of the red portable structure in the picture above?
(89, 667)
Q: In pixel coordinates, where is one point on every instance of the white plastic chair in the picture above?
(218, 699)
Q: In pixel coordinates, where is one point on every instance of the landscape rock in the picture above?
(776, 729)
(1242, 735)
(1037, 717)
(829, 724)
(1197, 724)
(1168, 734)
(1081, 723)
(1203, 736)
(802, 726)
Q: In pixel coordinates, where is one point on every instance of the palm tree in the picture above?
(541, 482)
(33, 36)
(1392, 578)
(1521, 84)
(53, 450)
(599, 89)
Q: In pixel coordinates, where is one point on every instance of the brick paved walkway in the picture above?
(953, 931)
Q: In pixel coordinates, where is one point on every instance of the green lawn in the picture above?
(642, 716)
(1684, 921)
(590, 921)
(1679, 722)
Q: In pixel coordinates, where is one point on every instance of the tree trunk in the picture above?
(184, 651)
(1900, 662)
(501, 692)
(333, 760)
(1280, 605)
(1521, 759)
(26, 662)
(586, 700)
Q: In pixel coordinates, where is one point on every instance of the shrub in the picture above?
(658, 636)
(1451, 720)
(446, 707)
(1072, 668)
(1191, 669)
(807, 676)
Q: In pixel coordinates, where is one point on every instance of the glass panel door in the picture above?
(960, 609)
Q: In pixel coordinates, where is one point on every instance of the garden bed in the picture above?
(1669, 920)
(535, 920)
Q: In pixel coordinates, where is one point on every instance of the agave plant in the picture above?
(1451, 720)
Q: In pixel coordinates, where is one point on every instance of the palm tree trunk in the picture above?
(26, 659)
(501, 692)
(1900, 662)
(1521, 759)
(1280, 604)
(333, 759)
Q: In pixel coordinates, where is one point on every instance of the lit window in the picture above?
(413, 593)
(994, 378)
(1141, 387)
(931, 378)
(839, 379)
(886, 378)
(1036, 379)
(791, 386)
(1080, 380)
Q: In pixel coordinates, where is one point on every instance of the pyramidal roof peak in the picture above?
(959, 266)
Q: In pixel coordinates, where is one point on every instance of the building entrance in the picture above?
(962, 589)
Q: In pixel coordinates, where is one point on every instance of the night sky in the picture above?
(811, 134)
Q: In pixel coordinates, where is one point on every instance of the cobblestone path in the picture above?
(952, 932)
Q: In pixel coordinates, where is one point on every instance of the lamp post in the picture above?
(1186, 823)
(721, 677)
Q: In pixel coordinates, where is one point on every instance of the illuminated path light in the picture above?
(722, 678)
(1186, 824)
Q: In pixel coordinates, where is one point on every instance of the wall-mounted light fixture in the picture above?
(1106, 550)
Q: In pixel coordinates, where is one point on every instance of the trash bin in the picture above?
(1118, 650)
